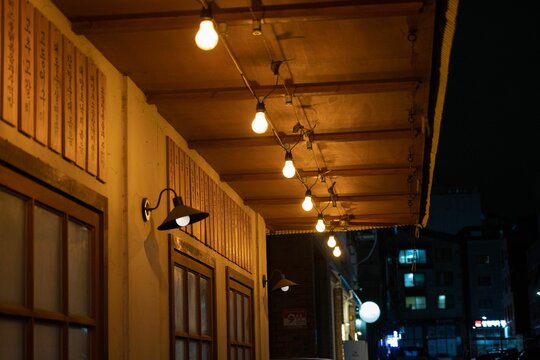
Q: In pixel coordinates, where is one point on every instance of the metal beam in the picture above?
(340, 198)
(347, 172)
(330, 10)
(350, 136)
(405, 84)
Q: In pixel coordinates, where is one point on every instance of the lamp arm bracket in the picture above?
(146, 209)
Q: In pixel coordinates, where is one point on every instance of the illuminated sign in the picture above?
(489, 323)
(393, 340)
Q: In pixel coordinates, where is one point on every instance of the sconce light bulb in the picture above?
(331, 241)
(336, 252)
(183, 221)
(259, 125)
(207, 37)
(320, 227)
(285, 288)
(307, 205)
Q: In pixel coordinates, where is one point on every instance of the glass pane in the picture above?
(205, 353)
(79, 268)
(78, 344)
(231, 316)
(247, 354)
(46, 342)
(11, 339)
(192, 304)
(180, 349)
(240, 353)
(12, 248)
(239, 321)
(179, 299)
(47, 259)
(246, 321)
(193, 350)
(204, 306)
(232, 353)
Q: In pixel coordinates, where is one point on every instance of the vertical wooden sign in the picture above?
(42, 74)
(187, 186)
(195, 228)
(92, 134)
(81, 94)
(55, 92)
(69, 149)
(26, 118)
(102, 148)
(10, 62)
(202, 202)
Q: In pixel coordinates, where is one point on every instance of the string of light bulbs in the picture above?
(206, 39)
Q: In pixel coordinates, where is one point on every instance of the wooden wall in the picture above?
(228, 228)
(50, 90)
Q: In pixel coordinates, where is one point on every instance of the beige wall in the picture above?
(138, 300)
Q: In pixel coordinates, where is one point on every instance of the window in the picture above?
(409, 256)
(445, 302)
(415, 302)
(484, 280)
(482, 259)
(193, 308)
(240, 316)
(485, 303)
(443, 255)
(51, 261)
(413, 279)
(445, 278)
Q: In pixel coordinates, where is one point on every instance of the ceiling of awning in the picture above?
(361, 81)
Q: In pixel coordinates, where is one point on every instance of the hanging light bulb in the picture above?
(207, 37)
(336, 252)
(307, 205)
(259, 124)
(331, 241)
(288, 170)
(320, 223)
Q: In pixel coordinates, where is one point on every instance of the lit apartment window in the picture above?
(409, 256)
(415, 302)
(240, 316)
(413, 279)
(441, 303)
(192, 308)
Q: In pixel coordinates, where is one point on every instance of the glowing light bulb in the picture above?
(320, 227)
(285, 288)
(369, 311)
(331, 241)
(259, 124)
(336, 252)
(307, 205)
(183, 221)
(288, 170)
(207, 37)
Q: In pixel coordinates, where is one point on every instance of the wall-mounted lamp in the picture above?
(259, 125)
(180, 215)
(320, 226)
(307, 205)
(207, 37)
(288, 169)
(283, 283)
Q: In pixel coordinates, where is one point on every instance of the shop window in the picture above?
(413, 279)
(192, 308)
(240, 316)
(410, 256)
(51, 273)
(415, 302)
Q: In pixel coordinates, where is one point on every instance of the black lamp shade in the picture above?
(283, 282)
(179, 211)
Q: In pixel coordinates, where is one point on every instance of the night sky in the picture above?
(489, 137)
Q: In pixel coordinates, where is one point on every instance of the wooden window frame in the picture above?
(242, 284)
(190, 258)
(43, 188)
